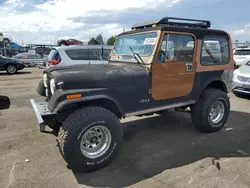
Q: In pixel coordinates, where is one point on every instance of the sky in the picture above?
(46, 21)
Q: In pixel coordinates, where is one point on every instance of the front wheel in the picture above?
(11, 69)
(212, 110)
(90, 138)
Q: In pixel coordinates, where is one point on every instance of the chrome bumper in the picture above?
(40, 106)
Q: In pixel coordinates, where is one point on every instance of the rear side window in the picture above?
(242, 52)
(78, 54)
(88, 54)
(54, 55)
(33, 56)
(215, 50)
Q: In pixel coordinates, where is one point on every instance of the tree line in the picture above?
(99, 40)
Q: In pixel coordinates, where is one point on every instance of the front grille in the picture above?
(243, 89)
(243, 78)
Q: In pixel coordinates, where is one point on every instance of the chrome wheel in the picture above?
(217, 112)
(95, 142)
(11, 69)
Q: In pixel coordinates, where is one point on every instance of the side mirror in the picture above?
(4, 103)
(138, 58)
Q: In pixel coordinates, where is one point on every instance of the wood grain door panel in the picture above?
(171, 80)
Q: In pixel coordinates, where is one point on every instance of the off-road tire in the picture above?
(74, 127)
(11, 72)
(200, 111)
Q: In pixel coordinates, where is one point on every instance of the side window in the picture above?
(94, 54)
(31, 56)
(38, 56)
(106, 53)
(215, 51)
(80, 54)
(176, 48)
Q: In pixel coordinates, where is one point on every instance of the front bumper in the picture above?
(43, 115)
(241, 87)
(20, 67)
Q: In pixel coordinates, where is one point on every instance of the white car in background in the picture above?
(78, 54)
(241, 79)
(241, 56)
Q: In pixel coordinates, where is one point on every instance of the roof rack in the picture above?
(166, 22)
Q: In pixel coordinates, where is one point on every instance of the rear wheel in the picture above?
(211, 112)
(90, 138)
(11, 69)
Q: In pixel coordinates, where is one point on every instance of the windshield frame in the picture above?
(157, 32)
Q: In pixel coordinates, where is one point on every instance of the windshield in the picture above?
(142, 44)
(242, 52)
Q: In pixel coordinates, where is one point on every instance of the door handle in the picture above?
(189, 67)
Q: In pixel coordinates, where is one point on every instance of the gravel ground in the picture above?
(158, 151)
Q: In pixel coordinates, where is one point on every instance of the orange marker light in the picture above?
(74, 96)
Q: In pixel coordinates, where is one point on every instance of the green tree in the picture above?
(111, 40)
(93, 41)
(99, 39)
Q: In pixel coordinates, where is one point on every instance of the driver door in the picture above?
(173, 71)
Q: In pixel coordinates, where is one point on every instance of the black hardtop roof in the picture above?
(198, 32)
(166, 21)
(199, 28)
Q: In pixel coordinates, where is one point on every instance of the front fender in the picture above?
(59, 100)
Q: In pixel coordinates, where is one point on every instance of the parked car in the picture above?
(68, 42)
(30, 60)
(10, 65)
(241, 56)
(145, 75)
(241, 80)
(70, 55)
(4, 102)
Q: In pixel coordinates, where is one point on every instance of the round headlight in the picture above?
(52, 86)
(45, 79)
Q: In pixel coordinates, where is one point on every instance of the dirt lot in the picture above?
(158, 151)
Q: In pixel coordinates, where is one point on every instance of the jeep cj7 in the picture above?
(171, 63)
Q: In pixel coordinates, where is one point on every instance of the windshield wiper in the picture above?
(137, 57)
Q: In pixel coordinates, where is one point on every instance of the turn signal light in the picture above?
(74, 96)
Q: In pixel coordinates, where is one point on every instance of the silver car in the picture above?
(241, 79)
(31, 60)
(78, 54)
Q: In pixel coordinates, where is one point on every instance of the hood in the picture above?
(12, 59)
(244, 69)
(98, 75)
